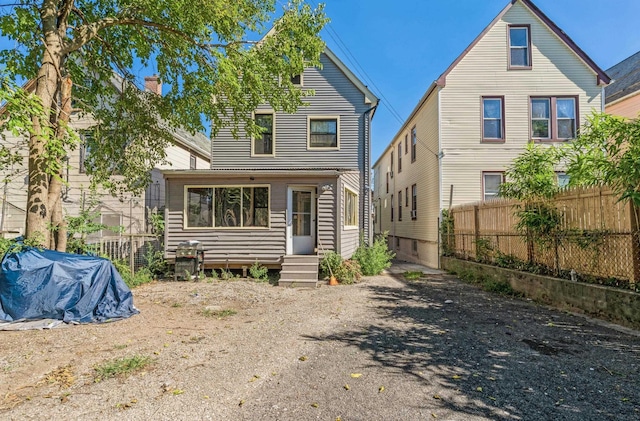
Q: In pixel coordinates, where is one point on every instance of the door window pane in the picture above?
(301, 213)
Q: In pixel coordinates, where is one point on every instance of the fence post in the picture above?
(476, 228)
(635, 243)
(131, 257)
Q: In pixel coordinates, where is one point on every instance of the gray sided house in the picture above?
(300, 189)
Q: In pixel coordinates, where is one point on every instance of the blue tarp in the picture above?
(41, 284)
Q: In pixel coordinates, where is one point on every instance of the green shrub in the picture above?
(141, 276)
(375, 258)
(259, 271)
(330, 263)
(348, 272)
(155, 261)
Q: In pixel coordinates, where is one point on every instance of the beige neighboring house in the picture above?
(187, 151)
(623, 94)
(522, 79)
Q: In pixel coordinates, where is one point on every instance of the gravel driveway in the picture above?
(384, 349)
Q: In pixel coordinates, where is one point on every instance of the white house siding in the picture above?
(556, 71)
(424, 174)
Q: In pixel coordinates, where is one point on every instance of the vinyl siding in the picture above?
(244, 246)
(349, 237)
(335, 95)
(628, 107)
(556, 71)
(424, 174)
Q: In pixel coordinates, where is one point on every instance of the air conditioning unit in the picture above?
(414, 214)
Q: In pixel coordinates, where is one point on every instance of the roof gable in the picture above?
(602, 77)
(369, 97)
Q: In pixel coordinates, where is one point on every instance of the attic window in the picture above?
(519, 47)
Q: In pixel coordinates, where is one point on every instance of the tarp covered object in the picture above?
(39, 284)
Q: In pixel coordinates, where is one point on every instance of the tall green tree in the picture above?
(206, 51)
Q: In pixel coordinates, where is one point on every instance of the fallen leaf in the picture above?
(479, 389)
(178, 392)
(493, 379)
(456, 377)
(492, 398)
(303, 358)
(381, 389)
(205, 397)
(434, 415)
(436, 397)
(254, 378)
(241, 403)
(315, 405)
(356, 375)
(346, 387)
(169, 332)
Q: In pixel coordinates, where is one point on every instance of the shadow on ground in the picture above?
(498, 357)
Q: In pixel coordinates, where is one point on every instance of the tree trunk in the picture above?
(58, 239)
(38, 210)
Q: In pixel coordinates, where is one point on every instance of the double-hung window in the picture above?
(392, 205)
(553, 118)
(324, 133)
(493, 119)
(491, 182)
(519, 47)
(399, 157)
(414, 202)
(264, 143)
(227, 207)
(400, 205)
(414, 143)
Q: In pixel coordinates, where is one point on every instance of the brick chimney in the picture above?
(153, 84)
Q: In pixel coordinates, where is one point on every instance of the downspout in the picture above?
(366, 188)
(440, 156)
(603, 99)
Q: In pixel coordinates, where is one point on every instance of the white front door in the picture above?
(301, 226)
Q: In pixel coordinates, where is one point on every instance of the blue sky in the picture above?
(404, 46)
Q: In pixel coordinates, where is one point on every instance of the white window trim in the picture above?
(323, 117)
(357, 203)
(273, 134)
(484, 186)
(301, 84)
(213, 209)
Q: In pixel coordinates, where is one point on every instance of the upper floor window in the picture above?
(387, 182)
(553, 118)
(406, 197)
(391, 166)
(414, 143)
(406, 144)
(519, 47)
(400, 157)
(350, 208)
(323, 132)
(85, 150)
(492, 119)
(491, 182)
(263, 144)
(400, 205)
(192, 162)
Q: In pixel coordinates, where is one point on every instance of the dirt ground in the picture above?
(383, 349)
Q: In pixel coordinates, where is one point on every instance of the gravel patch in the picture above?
(382, 349)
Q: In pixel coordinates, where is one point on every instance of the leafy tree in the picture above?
(86, 50)
(532, 180)
(607, 151)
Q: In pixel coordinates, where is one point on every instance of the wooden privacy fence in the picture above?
(595, 237)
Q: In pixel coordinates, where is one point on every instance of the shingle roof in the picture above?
(626, 78)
